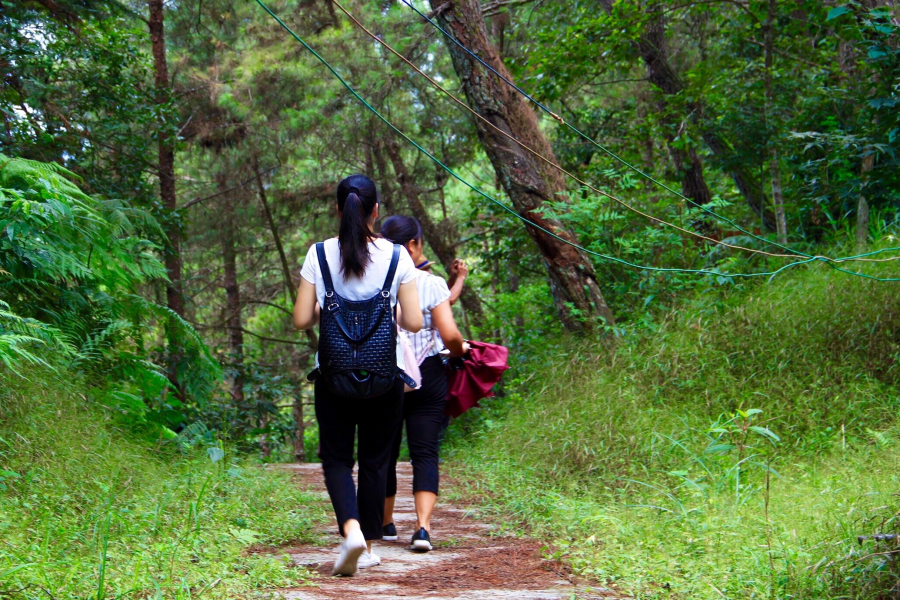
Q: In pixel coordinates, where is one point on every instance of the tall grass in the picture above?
(86, 511)
(737, 451)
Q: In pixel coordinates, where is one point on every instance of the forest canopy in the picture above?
(604, 167)
(679, 145)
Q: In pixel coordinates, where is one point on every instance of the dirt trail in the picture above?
(466, 564)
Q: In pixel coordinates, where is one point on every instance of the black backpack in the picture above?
(358, 339)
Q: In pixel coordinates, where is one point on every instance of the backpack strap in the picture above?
(326, 272)
(392, 270)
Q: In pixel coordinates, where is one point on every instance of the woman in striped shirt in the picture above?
(423, 408)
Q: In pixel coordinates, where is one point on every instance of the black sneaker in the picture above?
(421, 541)
(389, 533)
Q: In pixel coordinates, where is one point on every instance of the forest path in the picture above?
(468, 563)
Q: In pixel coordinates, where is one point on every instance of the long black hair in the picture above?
(356, 199)
(401, 230)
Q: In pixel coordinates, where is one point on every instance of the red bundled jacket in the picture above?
(473, 381)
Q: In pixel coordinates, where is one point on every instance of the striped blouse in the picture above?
(432, 291)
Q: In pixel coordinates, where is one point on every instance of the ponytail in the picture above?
(356, 199)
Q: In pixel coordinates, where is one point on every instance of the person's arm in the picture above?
(458, 273)
(410, 311)
(306, 313)
(442, 318)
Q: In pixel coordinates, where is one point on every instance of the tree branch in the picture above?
(263, 302)
(269, 339)
(787, 56)
(231, 189)
(492, 9)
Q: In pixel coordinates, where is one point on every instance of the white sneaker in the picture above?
(368, 559)
(351, 549)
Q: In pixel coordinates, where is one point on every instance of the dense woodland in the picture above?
(642, 233)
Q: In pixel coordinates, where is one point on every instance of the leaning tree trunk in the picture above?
(654, 52)
(437, 236)
(166, 159)
(289, 287)
(527, 181)
(747, 183)
(311, 337)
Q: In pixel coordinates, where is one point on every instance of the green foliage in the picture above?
(21, 337)
(76, 264)
(88, 512)
(79, 91)
(738, 448)
(264, 414)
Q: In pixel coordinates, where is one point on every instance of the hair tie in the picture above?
(353, 190)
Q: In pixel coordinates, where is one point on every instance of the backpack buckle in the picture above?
(385, 294)
(329, 294)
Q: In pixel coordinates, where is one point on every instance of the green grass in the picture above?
(636, 464)
(88, 510)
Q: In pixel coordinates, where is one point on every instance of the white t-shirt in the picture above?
(432, 291)
(359, 288)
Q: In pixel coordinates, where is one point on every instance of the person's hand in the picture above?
(466, 348)
(458, 268)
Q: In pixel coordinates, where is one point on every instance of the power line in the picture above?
(512, 212)
(610, 153)
(541, 156)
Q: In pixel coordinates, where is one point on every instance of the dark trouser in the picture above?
(378, 420)
(423, 411)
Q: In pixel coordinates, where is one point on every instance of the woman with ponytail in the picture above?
(423, 408)
(343, 278)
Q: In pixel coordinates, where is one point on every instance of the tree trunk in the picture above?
(438, 235)
(299, 426)
(513, 267)
(527, 181)
(166, 152)
(285, 266)
(862, 210)
(654, 52)
(233, 300)
(868, 161)
(777, 195)
(744, 179)
(774, 167)
(166, 158)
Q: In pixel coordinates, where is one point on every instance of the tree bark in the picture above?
(166, 153)
(862, 209)
(279, 247)
(166, 169)
(285, 266)
(654, 52)
(746, 182)
(774, 167)
(527, 181)
(299, 426)
(513, 266)
(438, 235)
(233, 300)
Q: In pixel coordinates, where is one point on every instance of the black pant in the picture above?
(378, 420)
(423, 411)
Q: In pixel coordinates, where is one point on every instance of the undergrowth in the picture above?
(737, 450)
(88, 510)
